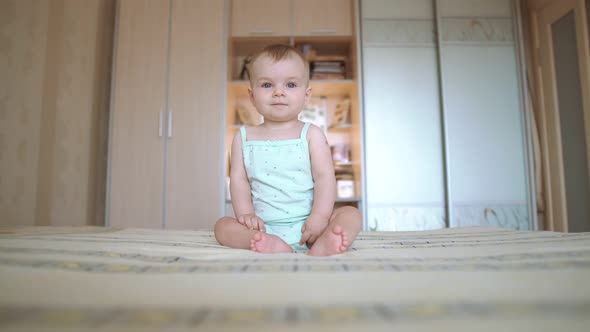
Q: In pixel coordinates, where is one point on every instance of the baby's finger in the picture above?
(255, 223)
(312, 239)
(247, 222)
(240, 220)
(261, 225)
(304, 238)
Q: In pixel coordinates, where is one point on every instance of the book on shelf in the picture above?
(343, 168)
(328, 58)
(327, 70)
(328, 67)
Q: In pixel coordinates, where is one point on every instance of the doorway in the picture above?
(563, 76)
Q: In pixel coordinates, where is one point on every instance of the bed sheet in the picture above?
(103, 279)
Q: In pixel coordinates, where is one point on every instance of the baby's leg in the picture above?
(345, 224)
(230, 233)
(268, 244)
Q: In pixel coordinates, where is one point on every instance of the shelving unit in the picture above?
(327, 43)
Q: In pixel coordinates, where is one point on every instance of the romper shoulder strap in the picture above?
(304, 131)
(245, 156)
(243, 134)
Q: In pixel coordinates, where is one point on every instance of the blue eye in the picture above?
(265, 85)
(291, 85)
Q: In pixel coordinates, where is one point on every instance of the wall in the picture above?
(23, 40)
(55, 57)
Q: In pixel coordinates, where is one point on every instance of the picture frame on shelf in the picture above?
(341, 115)
(316, 112)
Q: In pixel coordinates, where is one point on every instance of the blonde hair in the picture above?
(277, 52)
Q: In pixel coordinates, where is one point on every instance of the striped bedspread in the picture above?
(461, 279)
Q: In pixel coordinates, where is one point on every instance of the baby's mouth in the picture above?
(279, 104)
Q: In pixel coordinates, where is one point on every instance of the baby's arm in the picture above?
(324, 185)
(241, 196)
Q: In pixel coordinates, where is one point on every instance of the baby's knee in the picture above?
(222, 222)
(220, 226)
(350, 211)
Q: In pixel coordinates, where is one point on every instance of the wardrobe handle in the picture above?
(260, 32)
(169, 124)
(160, 124)
(323, 31)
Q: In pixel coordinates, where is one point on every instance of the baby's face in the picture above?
(279, 89)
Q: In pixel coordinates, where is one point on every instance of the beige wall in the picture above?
(55, 59)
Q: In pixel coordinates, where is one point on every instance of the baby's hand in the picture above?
(312, 229)
(252, 221)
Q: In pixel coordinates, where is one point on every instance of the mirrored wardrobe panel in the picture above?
(403, 139)
(444, 120)
(484, 114)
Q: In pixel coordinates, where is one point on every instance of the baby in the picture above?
(282, 179)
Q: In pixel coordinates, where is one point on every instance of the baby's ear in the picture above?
(307, 95)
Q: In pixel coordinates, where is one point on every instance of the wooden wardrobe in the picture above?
(165, 156)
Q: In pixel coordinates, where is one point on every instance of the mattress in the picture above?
(483, 279)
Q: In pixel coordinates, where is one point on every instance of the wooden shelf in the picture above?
(344, 127)
(332, 87)
(344, 200)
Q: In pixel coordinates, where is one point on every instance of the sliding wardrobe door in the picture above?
(403, 139)
(445, 142)
(484, 117)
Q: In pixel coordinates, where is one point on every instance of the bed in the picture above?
(482, 279)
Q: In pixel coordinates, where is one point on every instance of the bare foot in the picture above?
(267, 244)
(330, 243)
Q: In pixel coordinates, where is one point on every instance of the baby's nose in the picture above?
(278, 92)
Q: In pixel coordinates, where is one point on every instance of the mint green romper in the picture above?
(281, 183)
